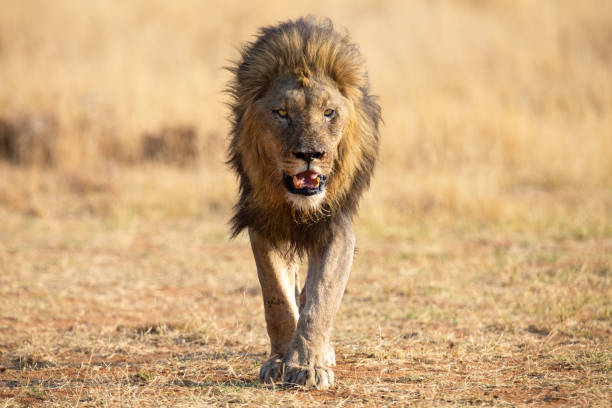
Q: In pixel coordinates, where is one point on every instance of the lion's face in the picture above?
(303, 122)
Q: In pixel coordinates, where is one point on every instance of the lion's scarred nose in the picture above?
(308, 156)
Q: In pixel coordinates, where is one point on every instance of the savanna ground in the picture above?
(484, 271)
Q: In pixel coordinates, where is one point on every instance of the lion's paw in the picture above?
(271, 370)
(320, 378)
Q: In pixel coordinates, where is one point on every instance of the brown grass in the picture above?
(484, 272)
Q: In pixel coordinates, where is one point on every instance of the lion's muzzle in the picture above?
(305, 183)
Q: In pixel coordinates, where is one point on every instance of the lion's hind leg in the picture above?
(277, 271)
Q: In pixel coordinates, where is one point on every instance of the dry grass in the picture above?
(484, 272)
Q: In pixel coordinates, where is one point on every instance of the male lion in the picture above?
(303, 143)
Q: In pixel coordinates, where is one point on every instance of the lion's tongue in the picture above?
(306, 179)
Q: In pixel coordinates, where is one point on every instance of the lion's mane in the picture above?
(307, 48)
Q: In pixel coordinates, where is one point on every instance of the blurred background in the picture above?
(498, 114)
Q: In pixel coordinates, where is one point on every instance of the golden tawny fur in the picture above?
(304, 143)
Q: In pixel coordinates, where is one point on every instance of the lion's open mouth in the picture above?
(305, 183)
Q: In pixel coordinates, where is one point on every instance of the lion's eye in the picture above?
(329, 113)
(281, 112)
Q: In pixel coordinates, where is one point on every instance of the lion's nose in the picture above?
(308, 156)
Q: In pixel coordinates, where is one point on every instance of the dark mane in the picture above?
(306, 48)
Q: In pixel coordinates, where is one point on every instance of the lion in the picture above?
(303, 143)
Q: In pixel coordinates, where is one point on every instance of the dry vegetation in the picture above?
(484, 272)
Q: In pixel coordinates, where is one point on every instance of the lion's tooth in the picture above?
(296, 182)
(315, 182)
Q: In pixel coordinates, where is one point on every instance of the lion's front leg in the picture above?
(277, 272)
(310, 356)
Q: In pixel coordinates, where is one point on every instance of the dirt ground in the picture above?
(484, 267)
(170, 314)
